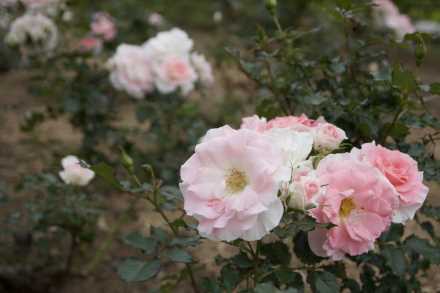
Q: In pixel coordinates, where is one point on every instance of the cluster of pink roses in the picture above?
(102, 29)
(238, 183)
(165, 62)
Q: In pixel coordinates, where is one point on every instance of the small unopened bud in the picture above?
(127, 161)
(271, 5)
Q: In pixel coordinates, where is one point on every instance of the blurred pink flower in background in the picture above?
(103, 26)
(74, 173)
(155, 19)
(90, 44)
(390, 16)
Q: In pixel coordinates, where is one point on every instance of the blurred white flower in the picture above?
(131, 70)
(203, 69)
(74, 173)
(217, 17)
(155, 19)
(8, 3)
(175, 42)
(48, 7)
(35, 32)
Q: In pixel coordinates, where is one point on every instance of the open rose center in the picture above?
(236, 181)
(177, 70)
(347, 205)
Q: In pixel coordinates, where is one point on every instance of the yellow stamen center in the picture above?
(236, 181)
(347, 205)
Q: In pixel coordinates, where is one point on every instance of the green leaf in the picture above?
(420, 47)
(394, 233)
(133, 270)
(210, 286)
(242, 261)
(269, 287)
(185, 241)
(276, 252)
(314, 99)
(135, 239)
(302, 249)
(435, 88)
(424, 248)
(106, 172)
(323, 282)
(404, 79)
(179, 255)
(395, 259)
(230, 277)
(432, 212)
(159, 234)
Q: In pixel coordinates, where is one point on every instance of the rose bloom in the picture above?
(402, 172)
(203, 69)
(90, 44)
(174, 72)
(35, 32)
(254, 123)
(229, 185)
(328, 137)
(131, 71)
(103, 26)
(156, 19)
(357, 199)
(174, 42)
(299, 123)
(391, 17)
(74, 173)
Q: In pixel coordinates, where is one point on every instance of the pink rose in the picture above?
(229, 185)
(402, 172)
(327, 136)
(357, 199)
(174, 72)
(300, 123)
(131, 71)
(103, 26)
(254, 123)
(90, 44)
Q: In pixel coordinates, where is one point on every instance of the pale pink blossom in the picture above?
(174, 42)
(391, 17)
(402, 172)
(103, 26)
(328, 137)
(254, 123)
(90, 44)
(74, 173)
(131, 71)
(174, 72)
(203, 69)
(229, 186)
(357, 199)
(298, 123)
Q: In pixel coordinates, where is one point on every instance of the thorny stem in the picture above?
(166, 219)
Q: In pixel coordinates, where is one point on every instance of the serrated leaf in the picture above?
(179, 255)
(133, 270)
(148, 245)
(395, 259)
(323, 282)
(106, 172)
(424, 248)
(185, 241)
(404, 79)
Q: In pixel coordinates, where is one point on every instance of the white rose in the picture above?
(74, 173)
(131, 71)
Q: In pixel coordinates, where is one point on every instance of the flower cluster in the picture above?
(238, 183)
(33, 32)
(165, 62)
(102, 29)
